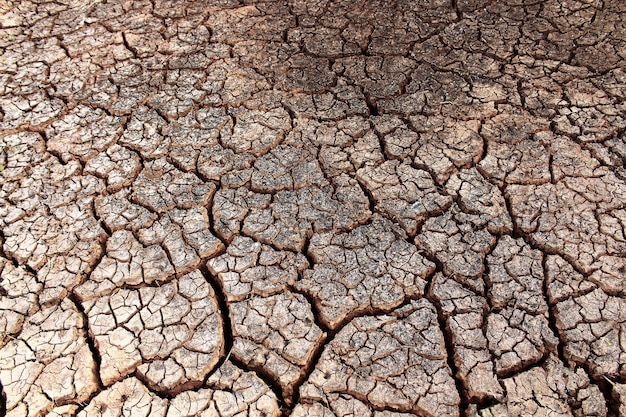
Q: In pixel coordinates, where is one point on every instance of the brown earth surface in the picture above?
(313, 208)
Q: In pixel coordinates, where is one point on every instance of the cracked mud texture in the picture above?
(312, 208)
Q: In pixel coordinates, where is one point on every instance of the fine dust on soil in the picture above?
(313, 208)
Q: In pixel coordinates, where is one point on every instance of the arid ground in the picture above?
(313, 208)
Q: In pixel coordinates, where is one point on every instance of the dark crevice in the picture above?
(551, 168)
(485, 142)
(31, 270)
(619, 162)
(371, 104)
(311, 261)
(472, 403)
(265, 377)
(104, 227)
(2, 253)
(315, 358)
(524, 366)
(91, 344)
(527, 238)
(227, 329)
(52, 152)
(605, 385)
(211, 227)
(63, 47)
(518, 233)
(177, 273)
(228, 340)
(370, 197)
(520, 92)
(601, 382)
(3, 400)
(447, 339)
(332, 332)
(127, 46)
(329, 336)
(551, 316)
(159, 394)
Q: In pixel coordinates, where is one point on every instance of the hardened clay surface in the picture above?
(242, 208)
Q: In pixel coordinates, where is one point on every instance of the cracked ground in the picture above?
(313, 208)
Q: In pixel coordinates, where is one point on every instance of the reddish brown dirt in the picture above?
(313, 208)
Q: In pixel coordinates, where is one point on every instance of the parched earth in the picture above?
(313, 208)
